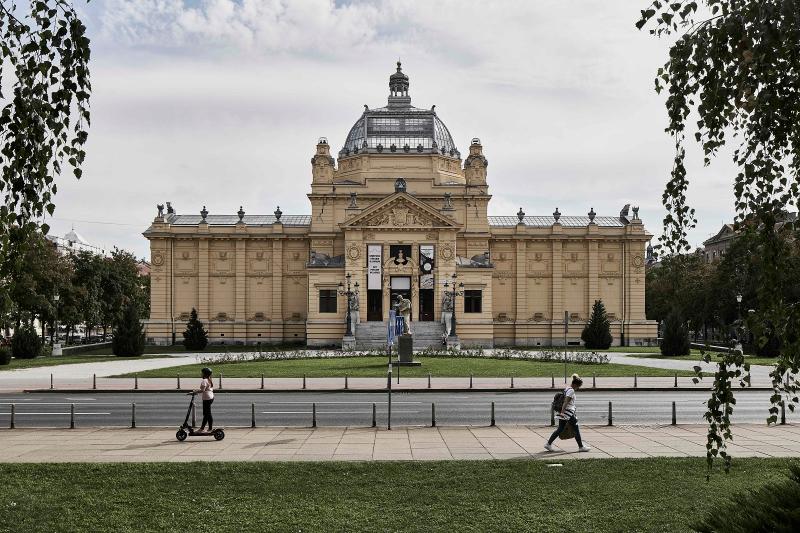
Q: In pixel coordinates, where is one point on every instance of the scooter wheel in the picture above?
(219, 434)
(181, 435)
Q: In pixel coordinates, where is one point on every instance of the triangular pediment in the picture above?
(400, 210)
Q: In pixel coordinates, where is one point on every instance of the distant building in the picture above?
(73, 242)
(143, 267)
(715, 248)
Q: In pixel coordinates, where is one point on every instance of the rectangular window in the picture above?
(327, 300)
(472, 301)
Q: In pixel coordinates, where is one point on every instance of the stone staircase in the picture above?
(371, 335)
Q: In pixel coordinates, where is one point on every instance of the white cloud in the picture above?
(220, 103)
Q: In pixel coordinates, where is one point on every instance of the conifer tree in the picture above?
(676, 336)
(195, 337)
(597, 333)
(128, 338)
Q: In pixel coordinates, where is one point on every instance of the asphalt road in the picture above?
(355, 409)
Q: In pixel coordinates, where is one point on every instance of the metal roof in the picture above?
(547, 221)
(230, 220)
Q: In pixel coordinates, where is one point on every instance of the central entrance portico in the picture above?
(400, 245)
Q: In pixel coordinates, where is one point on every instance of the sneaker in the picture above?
(549, 447)
(584, 449)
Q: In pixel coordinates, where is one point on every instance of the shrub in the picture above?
(597, 333)
(5, 355)
(26, 344)
(128, 340)
(195, 337)
(773, 507)
(676, 336)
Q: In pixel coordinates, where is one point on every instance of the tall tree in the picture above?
(735, 66)
(45, 116)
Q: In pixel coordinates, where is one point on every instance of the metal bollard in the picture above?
(610, 415)
(51, 381)
(676, 380)
(345, 382)
(470, 381)
(594, 381)
(133, 415)
(492, 422)
(262, 381)
(552, 417)
(72, 416)
(433, 415)
(314, 415)
(374, 416)
(252, 415)
(220, 381)
(674, 415)
(635, 380)
(512, 382)
(429, 380)
(304, 381)
(194, 420)
(783, 413)
(178, 382)
(136, 381)
(94, 381)
(552, 381)
(13, 410)
(389, 401)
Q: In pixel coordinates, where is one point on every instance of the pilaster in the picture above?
(203, 310)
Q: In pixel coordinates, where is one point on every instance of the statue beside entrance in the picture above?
(447, 314)
(354, 310)
(404, 309)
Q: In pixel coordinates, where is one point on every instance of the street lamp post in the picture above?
(740, 329)
(455, 293)
(56, 348)
(348, 292)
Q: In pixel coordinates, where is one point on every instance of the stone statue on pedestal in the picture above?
(354, 310)
(447, 312)
(404, 310)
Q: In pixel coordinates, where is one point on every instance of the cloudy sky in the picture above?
(220, 103)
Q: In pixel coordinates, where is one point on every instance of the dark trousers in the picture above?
(207, 418)
(562, 424)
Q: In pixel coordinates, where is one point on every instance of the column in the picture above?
(203, 310)
(557, 311)
(521, 293)
(240, 323)
(277, 290)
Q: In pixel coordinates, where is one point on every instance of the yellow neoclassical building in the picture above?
(401, 212)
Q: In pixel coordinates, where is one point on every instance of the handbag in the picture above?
(568, 433)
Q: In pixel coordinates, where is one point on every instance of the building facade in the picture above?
(402, 213)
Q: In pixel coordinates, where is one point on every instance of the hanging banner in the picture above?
(374, 265)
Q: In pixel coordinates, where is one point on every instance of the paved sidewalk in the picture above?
(368, 444)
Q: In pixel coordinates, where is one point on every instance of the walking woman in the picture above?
(567, 416)
(207, 395)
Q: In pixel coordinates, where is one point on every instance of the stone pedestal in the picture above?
(348, 342)
(57, 349)
(453, 343)
(405, 351)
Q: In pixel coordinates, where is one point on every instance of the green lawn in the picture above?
(369, 366)
(212, 348)
(592, 495)
(64, 360)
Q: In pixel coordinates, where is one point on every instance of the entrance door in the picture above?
(374, 305)
(401, 285)
(426, 305)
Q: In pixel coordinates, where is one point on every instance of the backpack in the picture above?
(558, 401)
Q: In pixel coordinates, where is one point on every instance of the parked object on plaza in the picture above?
(187, 430)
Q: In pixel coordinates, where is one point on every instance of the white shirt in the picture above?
(569, 401)
(206, 389)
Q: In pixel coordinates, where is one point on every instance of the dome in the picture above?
(399, 127)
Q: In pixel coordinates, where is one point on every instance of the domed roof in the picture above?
(399, 127)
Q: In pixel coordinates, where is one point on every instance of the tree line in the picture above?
(93, 290)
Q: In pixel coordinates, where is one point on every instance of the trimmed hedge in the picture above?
(26, 344)
(5, 355)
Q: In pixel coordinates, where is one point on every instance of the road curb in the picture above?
(383, 390)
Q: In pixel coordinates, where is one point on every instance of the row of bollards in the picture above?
(347, 386)
(492, 420)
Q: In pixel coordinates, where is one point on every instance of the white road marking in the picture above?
(65, 414)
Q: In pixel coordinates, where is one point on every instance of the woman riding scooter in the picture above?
(207, 395)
